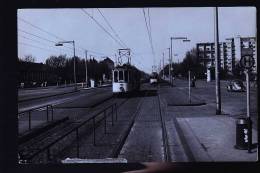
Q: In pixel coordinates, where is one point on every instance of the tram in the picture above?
(154, 78)
(126, 79)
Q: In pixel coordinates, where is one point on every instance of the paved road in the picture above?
(26, 94)
(62, 105)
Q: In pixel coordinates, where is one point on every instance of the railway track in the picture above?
(29, 148)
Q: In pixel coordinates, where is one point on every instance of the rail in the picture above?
(113, 107)
(23, 113)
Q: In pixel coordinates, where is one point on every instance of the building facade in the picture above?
(230, 51)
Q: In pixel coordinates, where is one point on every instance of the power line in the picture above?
(57, 37)
(36, 41)
(150, 31)
(40, 29)
(112, 28)
(27, 44)
(149, 34)
(102, 28)
(36, 36)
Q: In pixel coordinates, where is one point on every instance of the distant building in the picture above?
(230, 54)
(230, 51)
(205, 51)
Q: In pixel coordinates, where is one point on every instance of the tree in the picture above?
(28, 58)
(56, 62)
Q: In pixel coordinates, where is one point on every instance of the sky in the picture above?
(40, 29)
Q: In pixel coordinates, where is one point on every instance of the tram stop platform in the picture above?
(213, 138)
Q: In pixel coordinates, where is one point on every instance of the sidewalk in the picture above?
(201, 134)
(213, 139)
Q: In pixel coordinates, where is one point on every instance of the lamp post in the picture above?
(184, 39)
(60, 43)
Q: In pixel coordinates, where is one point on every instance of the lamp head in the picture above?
(58, 44)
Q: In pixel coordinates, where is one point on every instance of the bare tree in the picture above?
(29, 58)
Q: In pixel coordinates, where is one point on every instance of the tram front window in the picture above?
(115, 76)
(121, 76)
(126, 75)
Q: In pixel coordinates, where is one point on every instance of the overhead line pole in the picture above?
(171, 63)
(218, 95)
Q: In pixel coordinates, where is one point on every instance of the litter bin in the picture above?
(242, 133)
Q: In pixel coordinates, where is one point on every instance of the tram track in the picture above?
(167, 155)
(116, 151)
(166, 150)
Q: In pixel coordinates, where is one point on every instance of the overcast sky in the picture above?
(129, 23)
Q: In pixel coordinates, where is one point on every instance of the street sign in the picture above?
(247, 61)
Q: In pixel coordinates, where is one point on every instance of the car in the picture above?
(236, 86)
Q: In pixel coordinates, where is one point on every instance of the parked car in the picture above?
(236, 86)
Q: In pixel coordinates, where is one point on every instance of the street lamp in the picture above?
(184, 39)
(60, 43)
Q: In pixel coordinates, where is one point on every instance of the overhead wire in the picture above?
(56, 36)
(149, 34)
(103, 28)
(27, 44)
(113, 30)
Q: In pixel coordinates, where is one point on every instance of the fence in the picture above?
(29, 113)
(75, 130)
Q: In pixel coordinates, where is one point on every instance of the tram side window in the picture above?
(121, 75)
(130, 76)
(115, 76)
(126, 75)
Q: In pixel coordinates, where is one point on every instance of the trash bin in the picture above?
(242, 133)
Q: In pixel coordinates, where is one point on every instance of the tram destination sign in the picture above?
(247, 61)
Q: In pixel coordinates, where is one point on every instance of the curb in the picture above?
(37, 131)
(20, 101)
(188, 104)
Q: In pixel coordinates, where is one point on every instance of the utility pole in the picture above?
(189, 87)
(163, 65)
(160, 67)
(75, 80)
(169, 63)
(86, 65)
(218, 95)
(171, 60)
